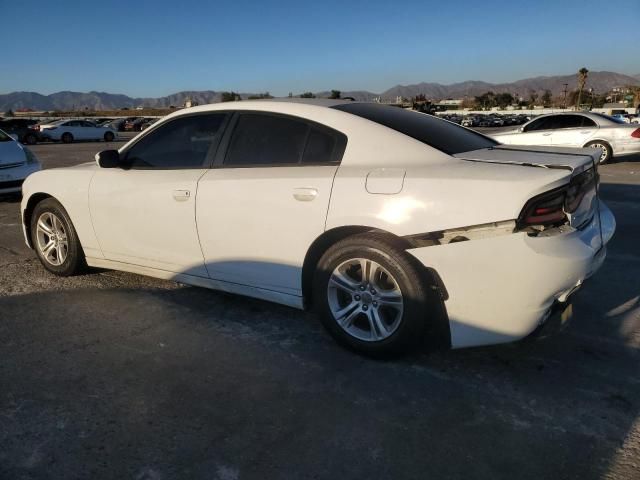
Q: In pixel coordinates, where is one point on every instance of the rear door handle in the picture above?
(546, 134)
(305, 194)
(585, 132)
(181, 195)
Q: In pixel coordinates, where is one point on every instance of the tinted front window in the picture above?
(539, 124)
(266, 140)
(180, 143)
(566, 121)
(4, 137)
(440, 134)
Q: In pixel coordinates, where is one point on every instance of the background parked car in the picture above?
(16, 163)
(147, 123)
(69, 130)
(116, 125)
(129, 124)
(580, 129)
(24, 128)
(136, 125)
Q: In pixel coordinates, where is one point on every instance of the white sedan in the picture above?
(16, 163)
(580, 129)
(391, 224)
(67, 131)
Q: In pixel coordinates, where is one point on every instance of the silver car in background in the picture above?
(577, 129)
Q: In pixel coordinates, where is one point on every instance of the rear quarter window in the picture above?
(439, 134)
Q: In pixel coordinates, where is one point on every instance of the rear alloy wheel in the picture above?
(55, 240)
(66, 137)
(365, 299)
(372, 296)
(607, 152)
(30, 139)
(108, 137)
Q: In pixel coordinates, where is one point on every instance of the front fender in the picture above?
(70, 187)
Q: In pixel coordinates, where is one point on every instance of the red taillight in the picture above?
(545, 209)
(636, 133)
(551, 208)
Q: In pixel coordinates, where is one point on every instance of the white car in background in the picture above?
(392, 224)
(580, 129)
(68, 131)
(16, 163)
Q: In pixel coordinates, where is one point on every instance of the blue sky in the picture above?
(154, 48)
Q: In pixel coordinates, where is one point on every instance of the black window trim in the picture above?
(560, 115)
(213, 149)
(344, 107)
(337, 154)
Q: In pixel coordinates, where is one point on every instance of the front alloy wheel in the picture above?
(52, 239)
(55, 239)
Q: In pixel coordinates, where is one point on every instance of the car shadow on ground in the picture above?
(187, 382)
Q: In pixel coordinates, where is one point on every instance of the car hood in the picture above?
(11, 154)
(574, 159)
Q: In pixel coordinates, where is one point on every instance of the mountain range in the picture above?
(600, 81)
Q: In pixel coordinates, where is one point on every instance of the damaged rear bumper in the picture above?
(501, 289)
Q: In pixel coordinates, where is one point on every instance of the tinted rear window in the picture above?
(439, 134)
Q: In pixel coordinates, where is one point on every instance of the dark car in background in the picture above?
(136, 125)
(147, 123)
(24, 128)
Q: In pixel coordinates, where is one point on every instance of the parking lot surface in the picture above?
(114, 375)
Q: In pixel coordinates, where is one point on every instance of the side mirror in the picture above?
(14, 136)
(108, 159)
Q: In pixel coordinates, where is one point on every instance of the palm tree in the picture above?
(583, 73)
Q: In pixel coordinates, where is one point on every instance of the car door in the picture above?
(266, 198)
(573, 130)
(536, 132)
(144, 213)
(89, 131)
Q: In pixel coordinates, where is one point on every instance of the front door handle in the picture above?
(181, 195)
(305, 194)
(546, 134)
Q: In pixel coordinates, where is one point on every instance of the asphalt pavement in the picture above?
(114, 375)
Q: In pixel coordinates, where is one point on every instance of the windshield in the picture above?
(439, 134)
(610, 118)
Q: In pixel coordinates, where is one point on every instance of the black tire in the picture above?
(66, 137)
(607, 154)
(30, 139)
(418, 298)
(108, 137)
(74, 262)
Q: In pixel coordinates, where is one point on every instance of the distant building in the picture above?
(450, 104)
(188, 103)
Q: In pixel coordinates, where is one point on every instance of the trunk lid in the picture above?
(581, 162)
(575, 159)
